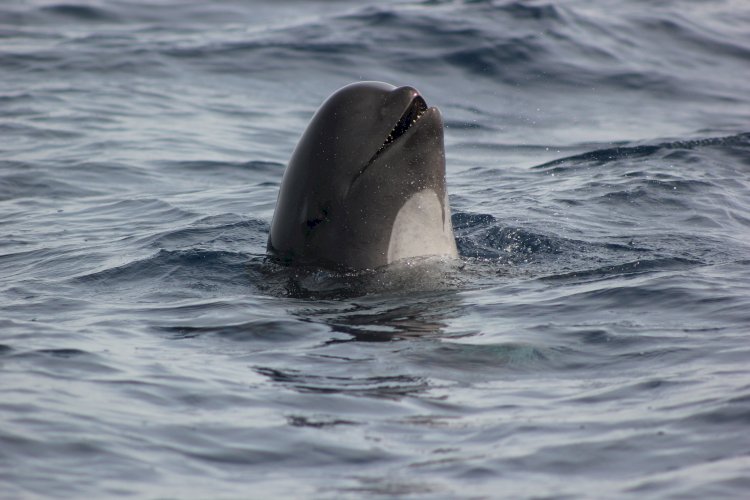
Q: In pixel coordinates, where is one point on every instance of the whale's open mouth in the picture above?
(415, 110)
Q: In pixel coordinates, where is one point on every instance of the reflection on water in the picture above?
(412, 299)
(377, 306)
(385, 387)
(386, 318)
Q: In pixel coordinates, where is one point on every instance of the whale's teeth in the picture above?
(416, 109)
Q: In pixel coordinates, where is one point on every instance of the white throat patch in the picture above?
(419, 229)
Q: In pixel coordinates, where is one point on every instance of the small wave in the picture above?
(64, 353)
(703, 37)
(32, 182)
(640, 266)
(480, 236)
(493, 59)
(223, 232)
(199, 269)
(273, 331)
(487, 358)
(37, 132)
(604, 156)
(386, 387)
(80, 12)
(524, 10)
(121, 212)
(229, 172)
(317, 423)
(488, 246)
(62, 362)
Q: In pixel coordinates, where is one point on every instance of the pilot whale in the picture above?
(365, 186)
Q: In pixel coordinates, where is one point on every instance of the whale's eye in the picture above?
(322, 216)
(311, 223)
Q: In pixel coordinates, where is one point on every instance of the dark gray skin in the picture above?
(344, 186)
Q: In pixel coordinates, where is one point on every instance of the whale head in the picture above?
(365, 186)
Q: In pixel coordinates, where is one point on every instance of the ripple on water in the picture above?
(594, 328)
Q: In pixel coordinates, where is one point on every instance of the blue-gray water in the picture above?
(592, 342)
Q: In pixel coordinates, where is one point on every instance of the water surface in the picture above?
(592, 341)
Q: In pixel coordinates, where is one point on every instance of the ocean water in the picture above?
(592, 342)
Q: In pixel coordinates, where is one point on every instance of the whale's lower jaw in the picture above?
(422, 228)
